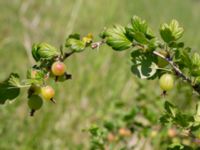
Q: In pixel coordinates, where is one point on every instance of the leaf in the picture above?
(195, 72)
(178, 118)
(183, 120)
(176, 45)
(74, 36)
(198, 109)
(131, 115)
(117, 39)
(138, 24)
(119, 104)
(195, 67)
(176, 146)
(164, 119)
(140, 37)
(196, 59)
(177, 31)
(138, 30)
(44, 51)
(170, 109)
(9, 89)
(184, 58)
(171, 32)
(144, 64)
(75, 44)
(94, 129)
(109, 125)
(197, 115)
(166, 33)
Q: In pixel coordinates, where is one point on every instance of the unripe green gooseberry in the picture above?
(35, 102)
(166, 82)
(34, 89)
(47, 92)
(58, 68)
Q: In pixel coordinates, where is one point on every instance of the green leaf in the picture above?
(140, 37)
(177, 31)
(138, 24)
(144, 64)
(116, 38)
(44, 51)
(183, 120)
(195, 67)
(109, 125)
(75, 44)
(164, 119)
(197, 115)
(198, 109)
(131, 115)
(94, 130)
(195, 72)
(176, 146)
(183, 58)
(176, 45)
(9, 89)
(196, 59)
(138, 30)
(178, 118)
(171, 32)
(170, 109)
(75, 36)
(166, 33)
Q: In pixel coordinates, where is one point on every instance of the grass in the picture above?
(98, 77)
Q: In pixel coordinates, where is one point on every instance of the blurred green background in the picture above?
(99, 77)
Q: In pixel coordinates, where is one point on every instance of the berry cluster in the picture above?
(38, 92)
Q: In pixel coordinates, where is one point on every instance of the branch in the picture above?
(174, 66)
(93, 46)
(97, 44)
(66, 55)
(178, 72)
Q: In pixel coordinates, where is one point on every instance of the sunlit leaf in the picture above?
(144, 64)
(117, 39)
(171, 32)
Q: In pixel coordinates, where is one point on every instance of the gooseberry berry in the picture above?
(58, 68)
(47, 92)
(166, 82)
(35, 102)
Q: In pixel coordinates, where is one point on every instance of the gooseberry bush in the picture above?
(159, 123)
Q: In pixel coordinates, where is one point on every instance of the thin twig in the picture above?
(66, 55)
(97, 44)
(93, 46)
(174, 66)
